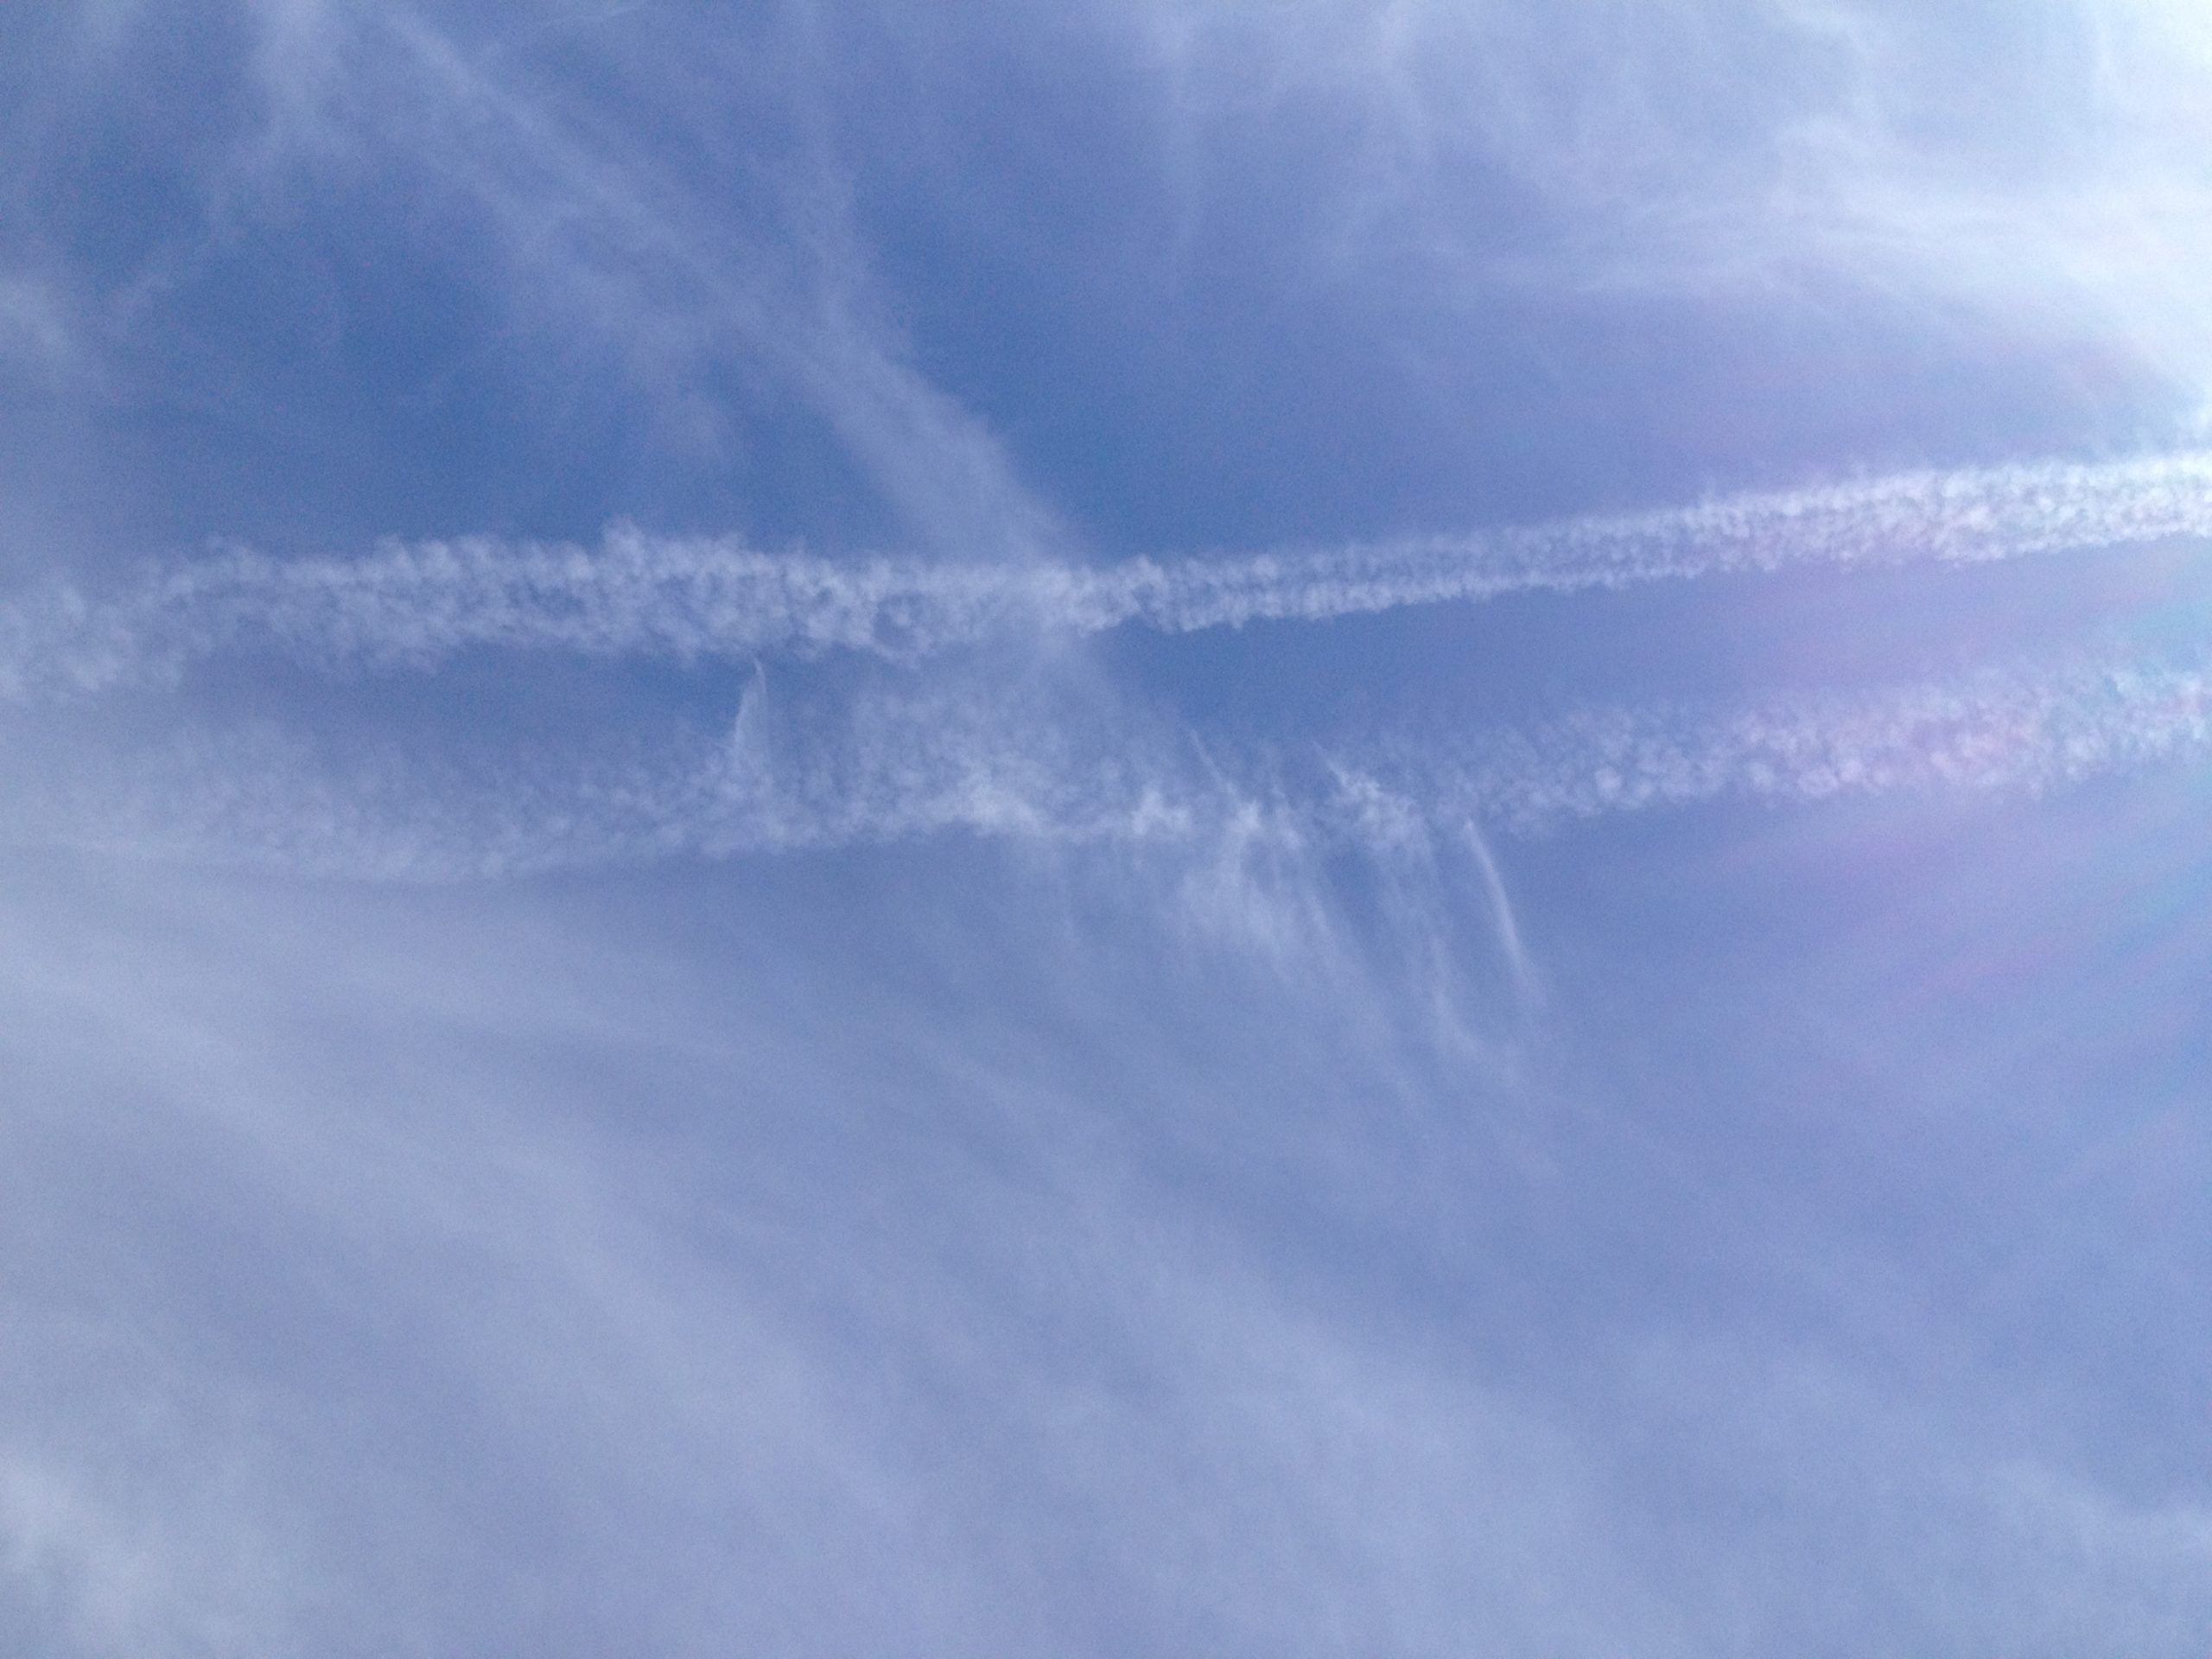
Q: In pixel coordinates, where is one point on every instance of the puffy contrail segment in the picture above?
(412, 604)
(881, 771)
(2031, 728)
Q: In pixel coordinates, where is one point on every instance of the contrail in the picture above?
(710, 598)
(2032, 729)
(911, 766)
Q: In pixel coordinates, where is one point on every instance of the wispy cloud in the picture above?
(692, 598)
(33, 331)
(2027, 727)
(710, 282)
(2042, 167)
(454, 1282)
(919, 1118)
(1046, 761)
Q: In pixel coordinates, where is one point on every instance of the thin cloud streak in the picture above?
(907, 765)
(2032, 730)
(929, 767)
(692, 598)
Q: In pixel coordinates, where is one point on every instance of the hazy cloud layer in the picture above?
(1377, 829)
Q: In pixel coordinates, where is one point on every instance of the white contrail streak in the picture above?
(905, 768)
(2032, 729)
(715, 598)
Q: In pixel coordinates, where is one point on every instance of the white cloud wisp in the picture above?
(706, 597)
(1025, 766)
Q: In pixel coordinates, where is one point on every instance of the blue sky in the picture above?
(1157, 828)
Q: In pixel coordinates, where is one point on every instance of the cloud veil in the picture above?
(1330, 827)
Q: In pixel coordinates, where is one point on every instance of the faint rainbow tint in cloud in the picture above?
(1377, 818)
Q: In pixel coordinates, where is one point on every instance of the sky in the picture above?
(1105, 828)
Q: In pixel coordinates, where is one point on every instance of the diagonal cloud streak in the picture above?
(2032, 730)
(923, 769)
(412, 604)
(917, 767)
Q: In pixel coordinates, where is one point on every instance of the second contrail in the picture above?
(411, 604)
